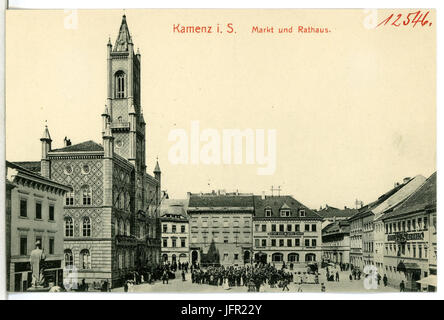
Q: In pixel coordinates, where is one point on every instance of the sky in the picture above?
(354, 110)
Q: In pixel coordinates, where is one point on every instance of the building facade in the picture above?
(111, 217)
(175, 231)
(224, 220)
(35, 213)
(285, 231)
(336, 242)
(410, 239)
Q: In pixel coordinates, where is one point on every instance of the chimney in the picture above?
(263, 195)
(396, 184)
(406, 179)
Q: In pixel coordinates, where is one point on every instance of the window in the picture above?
(85, 259)
(313, 242)
(297, 228)
(69, 198)
(256, 227)
(173, 228)
(307, 242)
(281, 228)
(425, 223)
(277, 257)
(264, 242)
(173, 242)
(120, 84)
(289, 243)
(297, 242)
(182, 243)
(313, 227)
(86, 227)
(127, 228)
(86, 195)
(268, 212)
(69, 227)
(289, 227)
(273, 228)
(69, 258)
(408, 225)
(165, 228)
(264, 228)
(285, 213)
(301, 212)
(38, 210)
(51, 245)
(236, 256)
(273, 242)
(164, 243)
(51, 212)
(307, 227)
(256, 242)
(182, 229)
(23, 208)
(281, 242)
(23, 245)
(414, 224)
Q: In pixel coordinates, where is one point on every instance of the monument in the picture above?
(37, 260)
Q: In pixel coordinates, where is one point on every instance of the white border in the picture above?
(113, 4)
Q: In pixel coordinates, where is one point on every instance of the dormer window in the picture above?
(120, 84)
(301, 212)
(268, 212)
(285, 213)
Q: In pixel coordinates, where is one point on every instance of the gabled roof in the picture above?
(123, 38)
(422, 199)
(33, 166)
(275, 203)
(79, 147)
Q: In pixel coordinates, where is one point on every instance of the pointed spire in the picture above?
(46, 135)
(109, 41)
(157, 168)
(124, 37)
(106, 111)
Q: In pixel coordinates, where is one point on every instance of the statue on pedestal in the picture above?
(37, 259)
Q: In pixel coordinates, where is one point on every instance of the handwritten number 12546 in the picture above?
(412, 18)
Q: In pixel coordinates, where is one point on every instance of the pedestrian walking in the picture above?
(183, 274)
(402, 286)
(337, 276)
(385, 280)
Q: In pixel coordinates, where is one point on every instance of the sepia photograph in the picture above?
(220, 151)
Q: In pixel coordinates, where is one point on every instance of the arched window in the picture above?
(86, 195)
(310, 257)
(277, 257)
(86, 227)
(127, 259)
(69, 227)
(120, 260)
(85, 259)
(120, 84)
(293, 257)
(69, 258)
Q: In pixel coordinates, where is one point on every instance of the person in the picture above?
(350, 277)
(165, 277)
(337, 276)
(322, 287)
(285, 285)
(104, 286)
(125, 286)
(385, 280)
(402, 286)
(183, 274)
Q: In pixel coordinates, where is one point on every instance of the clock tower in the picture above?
(123, 111)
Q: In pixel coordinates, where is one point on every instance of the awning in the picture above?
(429, 281)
